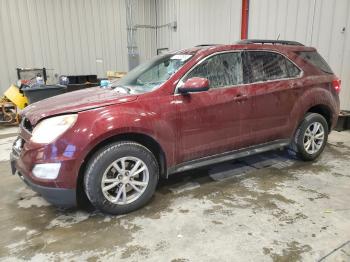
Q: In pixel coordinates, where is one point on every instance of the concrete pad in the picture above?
(227, 170)
(9, 130)
(339, 254)
(179, 188)
(341, 137)
(5, 147)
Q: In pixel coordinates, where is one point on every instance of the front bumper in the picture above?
(53, 191)
(61, 197)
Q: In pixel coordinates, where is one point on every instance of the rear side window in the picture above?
(265, 66)
(316, 59)
(293, 71)
(222, 70)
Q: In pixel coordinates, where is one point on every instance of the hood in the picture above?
(74, 102)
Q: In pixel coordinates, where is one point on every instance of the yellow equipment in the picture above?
(15, 96)
(9, 103)
(8, 113)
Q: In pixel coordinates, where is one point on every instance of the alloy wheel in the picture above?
(314, 138)
(125, 180)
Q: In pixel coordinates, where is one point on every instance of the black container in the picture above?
(72, 80)
(92, 84)
(92, 79)
(82, 79)
(75, 87)
(340, 124)
(343, 122)
(36, 94)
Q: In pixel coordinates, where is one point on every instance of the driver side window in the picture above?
(222, 70)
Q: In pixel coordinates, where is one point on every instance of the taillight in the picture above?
(337, 85)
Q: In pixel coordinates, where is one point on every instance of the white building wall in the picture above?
(71, 37)
(144, 14)
(198, 22)
(90, 36)
(317, 23)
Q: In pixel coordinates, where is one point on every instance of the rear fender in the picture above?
(311, 98)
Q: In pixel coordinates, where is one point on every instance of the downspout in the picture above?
(245, 19)
(156, 17)
(133, 53)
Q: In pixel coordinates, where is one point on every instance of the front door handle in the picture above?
(240, 98)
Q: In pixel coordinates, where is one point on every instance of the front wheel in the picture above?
(311, 137)
(121, 177)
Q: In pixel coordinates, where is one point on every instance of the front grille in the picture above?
(17, 147)
(27, 125)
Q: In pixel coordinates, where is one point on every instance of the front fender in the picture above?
(111, 121)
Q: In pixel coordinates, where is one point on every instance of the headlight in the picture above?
(50, 129)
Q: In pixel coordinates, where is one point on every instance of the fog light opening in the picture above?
(47, 171)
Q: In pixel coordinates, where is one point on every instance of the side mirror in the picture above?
(194, 84)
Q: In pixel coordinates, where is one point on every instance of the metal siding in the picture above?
(198, 22)
(67, 36)
(313, 22)
(72, 36)
(145, 37)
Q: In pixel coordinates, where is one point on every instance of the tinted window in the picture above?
(221, 70)
(266, 66)
(315, 59)
(293, 71)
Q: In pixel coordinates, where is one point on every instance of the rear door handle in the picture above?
(240, 97)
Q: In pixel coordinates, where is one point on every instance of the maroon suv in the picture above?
(179, 111)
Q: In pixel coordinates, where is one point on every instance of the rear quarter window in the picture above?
(316, 60)
(293, 71)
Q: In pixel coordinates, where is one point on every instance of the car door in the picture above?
(273, 78)
(210, 122)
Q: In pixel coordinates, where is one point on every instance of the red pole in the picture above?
(245, 17)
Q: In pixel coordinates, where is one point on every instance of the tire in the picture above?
(105, 169)
(300, 146)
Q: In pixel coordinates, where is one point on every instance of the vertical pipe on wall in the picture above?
(133, 53)
(245, 17)
(156, 18)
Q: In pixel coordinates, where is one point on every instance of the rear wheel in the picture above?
(311, 137)
(121, 177)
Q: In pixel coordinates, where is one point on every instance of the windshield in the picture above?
(150, 75)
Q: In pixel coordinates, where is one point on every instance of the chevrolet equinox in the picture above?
(176, 112)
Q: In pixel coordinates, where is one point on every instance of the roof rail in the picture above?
(204, 45)
(265, 41)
